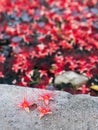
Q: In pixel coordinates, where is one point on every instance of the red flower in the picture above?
(21, 62)
(46, 98)
(57, 68)
(25, 105)
(84, 89)
(65, 45)
(26, 80)
(44, 111)
(2, 59)
(1, 75)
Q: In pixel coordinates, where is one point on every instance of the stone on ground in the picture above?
(70, 77)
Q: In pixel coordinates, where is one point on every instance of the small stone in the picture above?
(25, 17)
(70, 77)
(50, 87)
(16, 39)
(94, 11)
(61, 128)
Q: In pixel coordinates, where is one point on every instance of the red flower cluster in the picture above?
(47, 37)
(43, 110)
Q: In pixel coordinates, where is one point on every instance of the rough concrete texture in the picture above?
(70, 112)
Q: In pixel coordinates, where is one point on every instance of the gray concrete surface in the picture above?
(70, 112)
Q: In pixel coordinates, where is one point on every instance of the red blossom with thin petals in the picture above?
(84, 89)
(46, 98)
(50, 36)
(24, 104)
(44, 111)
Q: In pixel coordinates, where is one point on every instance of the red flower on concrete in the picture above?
(25, 105)
(46, 98)
(44, 111)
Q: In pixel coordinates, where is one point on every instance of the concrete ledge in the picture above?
(78, 112)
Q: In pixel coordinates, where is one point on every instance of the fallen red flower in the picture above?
(25, 105)
(46, 98)
(44, 111)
